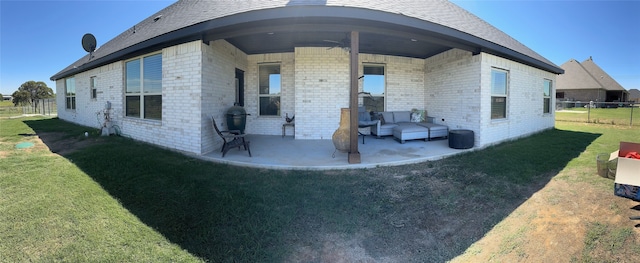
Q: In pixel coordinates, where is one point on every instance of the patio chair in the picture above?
(231, 139)
(364, 121)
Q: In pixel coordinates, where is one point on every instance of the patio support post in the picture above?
(354, 154)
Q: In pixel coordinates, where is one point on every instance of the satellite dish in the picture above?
(89, 42)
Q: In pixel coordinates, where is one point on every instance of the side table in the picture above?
(284, 128)
(461, 139)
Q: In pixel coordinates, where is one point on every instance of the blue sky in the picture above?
(40, 38)
(608, 31)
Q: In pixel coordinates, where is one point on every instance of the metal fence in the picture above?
(613, 113)
(46, 107)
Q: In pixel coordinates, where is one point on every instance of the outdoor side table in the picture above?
(461, 139)
(284, 128)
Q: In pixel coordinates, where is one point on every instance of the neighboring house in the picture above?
(634, 95)
(586, 82)
(165, 76)
(7, 97)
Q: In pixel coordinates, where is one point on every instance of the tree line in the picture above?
(30, 93)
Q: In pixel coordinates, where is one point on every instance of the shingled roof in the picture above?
(634, 94)
(386, 28)
(585, 75)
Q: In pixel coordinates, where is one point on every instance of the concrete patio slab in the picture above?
(275, 152)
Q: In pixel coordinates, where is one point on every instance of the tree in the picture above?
(31, 92)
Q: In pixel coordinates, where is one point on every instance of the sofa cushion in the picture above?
(402, 116)
(384, 129)
(388, 117)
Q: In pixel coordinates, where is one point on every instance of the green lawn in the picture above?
(618, 116)
(8, 110)
(118, 200)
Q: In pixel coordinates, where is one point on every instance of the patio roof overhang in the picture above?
(282, 29)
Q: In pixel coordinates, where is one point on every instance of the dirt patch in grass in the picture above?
(60, 143)
(430, 220)
(553, 226)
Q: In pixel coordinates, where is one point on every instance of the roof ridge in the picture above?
(590, 73)
(607, 82)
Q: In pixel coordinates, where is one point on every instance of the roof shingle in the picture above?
(189, 13)
(585, 75)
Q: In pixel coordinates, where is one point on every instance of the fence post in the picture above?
(631, 119)
(589, 113)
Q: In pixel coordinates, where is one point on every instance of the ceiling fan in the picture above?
(345, 43)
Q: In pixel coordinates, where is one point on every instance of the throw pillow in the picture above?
(381, 118)
(416, 116)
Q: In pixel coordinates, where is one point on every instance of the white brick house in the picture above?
(435, 55)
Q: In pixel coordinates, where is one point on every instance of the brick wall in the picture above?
(90, 112)
(180, 127)
(453, 89)
(269, 125)
(405, 87)
(584, 95)
(458, 94)
(219, 62)
(524, 102)
(199, 82)
(321, 90)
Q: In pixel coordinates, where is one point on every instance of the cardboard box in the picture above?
(627, 182)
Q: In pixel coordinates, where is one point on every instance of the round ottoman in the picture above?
(461, 139)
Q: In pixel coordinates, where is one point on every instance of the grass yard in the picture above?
(8, 110)
(75, 198)
(617, 116)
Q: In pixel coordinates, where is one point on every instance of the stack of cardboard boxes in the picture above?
(627, 182)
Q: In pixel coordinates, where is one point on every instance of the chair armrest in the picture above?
(429, 119)
(235, 133)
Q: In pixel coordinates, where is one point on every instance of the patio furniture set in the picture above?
(400, 125)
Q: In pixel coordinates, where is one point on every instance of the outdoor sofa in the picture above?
(400, 125)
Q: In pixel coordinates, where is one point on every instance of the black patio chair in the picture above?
(231, 139)
(364, 121)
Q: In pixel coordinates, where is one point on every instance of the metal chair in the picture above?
(231, 139)
(364, 120)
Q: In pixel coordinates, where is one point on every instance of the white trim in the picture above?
(141, 94)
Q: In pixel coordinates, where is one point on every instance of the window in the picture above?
(547, 96)
(270, 89)
(143, 87)
(92, 86)
(373, 84)
(70, 93)
(499, 94)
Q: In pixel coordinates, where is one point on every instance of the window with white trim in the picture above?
(546, 97)
(70, 93)
(499, 93)
(92, 87)
(143, 87)
(269, 89)
(373, 85)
